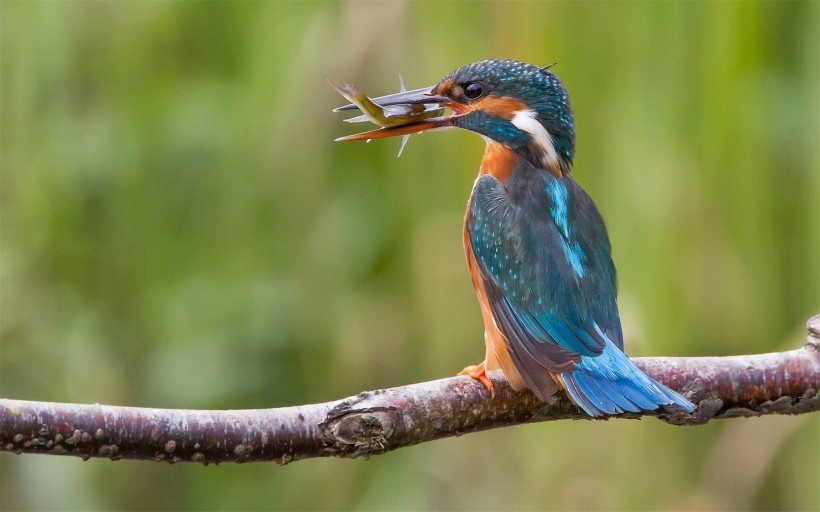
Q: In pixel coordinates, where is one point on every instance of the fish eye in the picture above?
(473, 90)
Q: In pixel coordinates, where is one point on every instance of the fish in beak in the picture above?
(403, 113)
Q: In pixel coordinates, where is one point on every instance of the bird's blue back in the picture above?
(543, 244)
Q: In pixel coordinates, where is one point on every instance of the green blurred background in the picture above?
(180, 230)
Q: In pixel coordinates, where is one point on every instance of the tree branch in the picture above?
(375, 422)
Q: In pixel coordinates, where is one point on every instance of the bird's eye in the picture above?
(473, 90)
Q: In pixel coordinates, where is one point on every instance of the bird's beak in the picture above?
(402, 113)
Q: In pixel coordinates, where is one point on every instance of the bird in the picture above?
(536, 245)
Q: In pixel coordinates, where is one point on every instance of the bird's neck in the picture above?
(501, 161)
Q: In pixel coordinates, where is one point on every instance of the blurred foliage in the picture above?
(180, 230)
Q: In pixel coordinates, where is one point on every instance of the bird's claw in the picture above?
(479, 373)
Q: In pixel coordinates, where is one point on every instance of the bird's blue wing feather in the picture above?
(549, 279)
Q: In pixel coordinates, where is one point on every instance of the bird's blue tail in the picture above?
(610, 384)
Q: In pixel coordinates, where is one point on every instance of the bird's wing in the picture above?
(549, 279)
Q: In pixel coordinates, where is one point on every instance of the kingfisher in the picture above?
(536, 245)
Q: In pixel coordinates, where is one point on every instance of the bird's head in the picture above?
(518, 105)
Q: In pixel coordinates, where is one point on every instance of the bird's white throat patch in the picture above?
(526, 120)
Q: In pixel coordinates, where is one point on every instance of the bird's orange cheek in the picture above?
(502, 107)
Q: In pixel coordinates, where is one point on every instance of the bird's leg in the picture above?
(479, 373)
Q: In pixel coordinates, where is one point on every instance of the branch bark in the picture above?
(375, 422)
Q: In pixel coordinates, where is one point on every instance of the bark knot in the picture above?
(358, 432)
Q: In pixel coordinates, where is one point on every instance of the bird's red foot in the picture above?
(479, 373)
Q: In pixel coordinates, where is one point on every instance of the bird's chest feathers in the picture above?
(499, 161)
